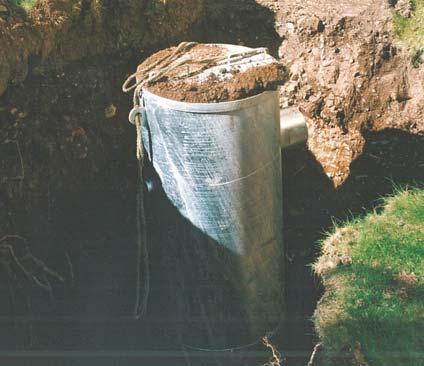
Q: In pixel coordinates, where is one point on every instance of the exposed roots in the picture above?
(33, 268)
(276, 359)
(317, 348)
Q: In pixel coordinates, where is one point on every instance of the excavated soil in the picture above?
(214, 89)
(239, 84)
(57, 32)
(349, 75)
(67, 153)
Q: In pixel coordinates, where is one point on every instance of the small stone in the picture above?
(404, 8)
(313, 25)
(110, 111)
(4, 10)
(290, 27)
(22, 115)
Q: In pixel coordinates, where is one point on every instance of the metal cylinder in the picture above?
(294, 130)
(219, 166)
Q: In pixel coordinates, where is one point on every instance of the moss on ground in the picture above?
(411, 30)
(26, 5)
(373, 273)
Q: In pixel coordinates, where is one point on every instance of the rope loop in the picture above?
(125, 87)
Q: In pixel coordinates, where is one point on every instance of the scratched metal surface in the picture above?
(220, 168)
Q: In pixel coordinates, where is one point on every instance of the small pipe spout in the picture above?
(293, 128)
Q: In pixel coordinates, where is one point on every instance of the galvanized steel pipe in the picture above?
(294, 130)
(219, 166)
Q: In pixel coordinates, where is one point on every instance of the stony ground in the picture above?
(349, 75)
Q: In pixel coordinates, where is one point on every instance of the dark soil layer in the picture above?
(58, 32)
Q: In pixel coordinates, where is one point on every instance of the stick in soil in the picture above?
(276, 359)
(317, 348)
(28, 255)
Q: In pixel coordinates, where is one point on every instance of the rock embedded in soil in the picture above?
(404, 8)
(4, 11)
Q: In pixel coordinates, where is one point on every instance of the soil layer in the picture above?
(229, 86)
(241, 85)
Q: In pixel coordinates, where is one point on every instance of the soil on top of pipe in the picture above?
(230, 85)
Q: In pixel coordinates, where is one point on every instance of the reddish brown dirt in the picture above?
(214, 89)
(242, 85)
(196, 52)
(349, 75)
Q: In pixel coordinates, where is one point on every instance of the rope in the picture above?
(140, 306)
(177, 58)
(149, 74)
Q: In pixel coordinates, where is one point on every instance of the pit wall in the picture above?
(59, 31)
(66, 126)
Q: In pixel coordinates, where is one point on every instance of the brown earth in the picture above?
(213, 90)
(67, 154)
(348, 73)
(60, 31)
(349, 76)
(241, 84)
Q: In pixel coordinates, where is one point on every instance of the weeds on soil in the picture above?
(411, 30)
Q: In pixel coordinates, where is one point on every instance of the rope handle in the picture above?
(125, 87)
(134, 113)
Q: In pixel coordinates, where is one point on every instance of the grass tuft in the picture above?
(411, 30)
(373, 272)
(25, 5)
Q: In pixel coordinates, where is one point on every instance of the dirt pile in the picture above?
(59, 31)
(348, 75)
(184, 83)
(243, 85)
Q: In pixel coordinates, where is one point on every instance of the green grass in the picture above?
(26, 5)
(373, 271)
(411, 30)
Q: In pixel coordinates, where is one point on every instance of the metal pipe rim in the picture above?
(211, 107)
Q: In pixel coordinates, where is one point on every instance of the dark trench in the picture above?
(68, 191)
